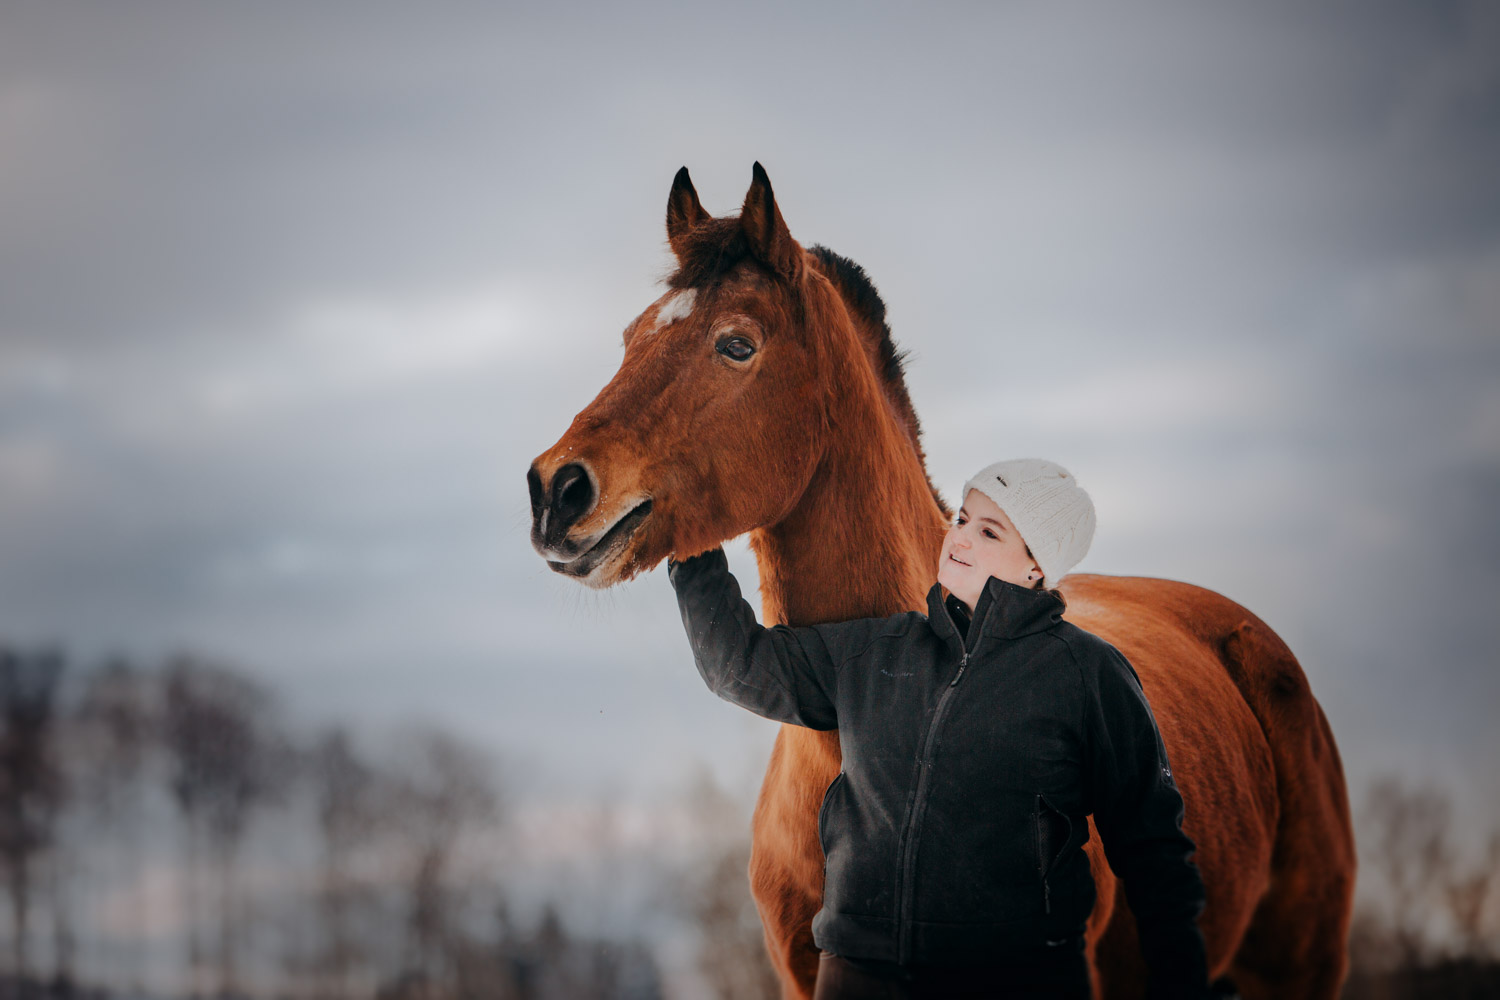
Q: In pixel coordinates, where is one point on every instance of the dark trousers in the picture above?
(1063, 977)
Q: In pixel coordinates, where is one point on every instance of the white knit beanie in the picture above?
(1051, 511)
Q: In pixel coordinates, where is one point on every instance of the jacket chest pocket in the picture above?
(1054, 828)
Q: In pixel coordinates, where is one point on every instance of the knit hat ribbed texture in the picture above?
(1051, 511)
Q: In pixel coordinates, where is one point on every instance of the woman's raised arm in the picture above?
(785, 674)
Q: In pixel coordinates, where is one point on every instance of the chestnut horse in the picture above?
(762, 393)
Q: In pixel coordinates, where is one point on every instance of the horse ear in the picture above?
(765, 230)
(684, 211)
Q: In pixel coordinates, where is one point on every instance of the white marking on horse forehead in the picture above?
(678, 306)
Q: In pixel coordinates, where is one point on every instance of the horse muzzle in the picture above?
(558, 506)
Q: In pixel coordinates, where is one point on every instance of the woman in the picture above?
(976, 739)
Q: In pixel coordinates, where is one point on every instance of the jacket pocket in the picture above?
(1054, 829)
(823, 812)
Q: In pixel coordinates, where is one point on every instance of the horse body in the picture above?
(762, 394)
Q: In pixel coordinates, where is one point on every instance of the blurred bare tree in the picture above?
(396, 891)
(1473, 902)
(110, 734)
(444, 791)
(31, 786)
(1425, 925)
(715, 893)
(348, 792)
(546, 963)
(227, 761)
(1406, 842)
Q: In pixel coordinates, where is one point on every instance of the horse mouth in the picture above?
(609, 544)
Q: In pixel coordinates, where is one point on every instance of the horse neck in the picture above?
(863, 540)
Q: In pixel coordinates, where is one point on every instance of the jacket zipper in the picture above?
(909, 840)
(963, 664)
(909, 849)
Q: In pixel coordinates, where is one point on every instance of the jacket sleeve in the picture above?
(1139, 812)
(786, 674)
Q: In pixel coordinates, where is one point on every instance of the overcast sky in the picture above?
(290, 296)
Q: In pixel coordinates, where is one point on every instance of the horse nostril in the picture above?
(534, 487)
(572, 496)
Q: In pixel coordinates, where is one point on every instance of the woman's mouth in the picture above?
(956, 559)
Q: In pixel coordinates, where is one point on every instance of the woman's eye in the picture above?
(990, 534)
(736, 348)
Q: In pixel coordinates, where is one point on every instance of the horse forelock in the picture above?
(708, 252)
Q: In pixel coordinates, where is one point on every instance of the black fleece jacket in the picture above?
(954, 833)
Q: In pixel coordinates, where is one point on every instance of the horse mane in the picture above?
(867, 308)
(714, 246)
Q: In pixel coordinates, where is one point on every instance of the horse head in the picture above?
(716, 420)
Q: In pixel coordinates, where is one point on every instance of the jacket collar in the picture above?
(1004, 609)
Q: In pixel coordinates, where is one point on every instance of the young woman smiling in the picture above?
(976, 739)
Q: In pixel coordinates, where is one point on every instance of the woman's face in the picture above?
(983, 543)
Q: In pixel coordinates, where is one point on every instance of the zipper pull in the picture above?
(962, 666)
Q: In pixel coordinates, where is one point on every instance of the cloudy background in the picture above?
(290, 297)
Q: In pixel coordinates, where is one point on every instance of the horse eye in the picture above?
(736, 348)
